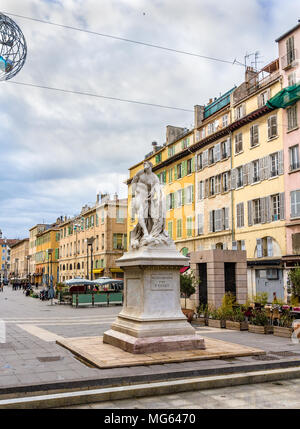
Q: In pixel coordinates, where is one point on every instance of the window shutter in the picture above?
(259, 247)
(262, 210)
(182, 197)
(226, 218)
(217, 152)
(164, 176)
(233, 178)
(244, 109)
(280, 162)
(245, 174)
(205, 158)
(269, 246)
(269, 128)
(243, 246)
(175, 172)
(268, 93)
(193, 164)
(173, 200)
(192, 192)
(206, 188)
(234, 245)
(211, 220)
(235, 114)
(242, 214)
(115, 239)
(250, 214)
(267, 167)
(259, 101)
(281, 206)
(268, 208)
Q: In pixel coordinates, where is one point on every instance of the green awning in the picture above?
(285, 98)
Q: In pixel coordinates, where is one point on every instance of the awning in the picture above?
(184, 269)
(98, 270)
(116, 270)
(286, 97)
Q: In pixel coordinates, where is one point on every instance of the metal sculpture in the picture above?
(13, 48)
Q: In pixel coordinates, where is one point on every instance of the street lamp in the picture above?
(90, 242)
(28, 267)
(51, 290)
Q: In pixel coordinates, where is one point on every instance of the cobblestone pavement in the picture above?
(31, 356)
(281, 394)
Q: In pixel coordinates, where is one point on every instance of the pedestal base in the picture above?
(153, 344)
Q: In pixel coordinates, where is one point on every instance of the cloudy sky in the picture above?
(59, 150)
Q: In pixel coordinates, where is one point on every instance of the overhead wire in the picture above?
(151, 45)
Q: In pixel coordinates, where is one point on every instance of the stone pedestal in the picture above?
(151, 319)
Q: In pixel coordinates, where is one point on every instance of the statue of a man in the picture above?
(149, 205)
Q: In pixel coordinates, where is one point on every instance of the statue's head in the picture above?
(148, 166)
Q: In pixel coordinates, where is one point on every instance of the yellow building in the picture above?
(46, 256)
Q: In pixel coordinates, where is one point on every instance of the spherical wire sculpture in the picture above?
(13, 49)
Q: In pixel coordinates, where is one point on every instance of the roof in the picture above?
(218, 104)
(288, 32)
(19, 242)
(9, 241)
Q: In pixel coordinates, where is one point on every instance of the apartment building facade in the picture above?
(91, 242)
(19, 259)
(5, 264)
(244, 174)
(46, 255)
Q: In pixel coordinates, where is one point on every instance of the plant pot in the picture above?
(280, 331)
(237, 326)
(189, 314)
(260, 329)
(200, 321)
(216, 323)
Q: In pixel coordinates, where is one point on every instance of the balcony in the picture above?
(289, 60)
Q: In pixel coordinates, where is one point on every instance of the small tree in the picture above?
(294, 277)
(187, 285)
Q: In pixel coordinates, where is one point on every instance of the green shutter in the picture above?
(184, 168)
(115, 238)
(175, 172)
(173, 200)
(193, 165)
(182, 196)
(164, 176)
(170, 229)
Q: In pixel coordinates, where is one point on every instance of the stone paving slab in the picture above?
(93, 350)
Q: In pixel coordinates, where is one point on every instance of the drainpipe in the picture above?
(231, 190)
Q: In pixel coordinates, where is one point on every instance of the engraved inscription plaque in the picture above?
(162, 282)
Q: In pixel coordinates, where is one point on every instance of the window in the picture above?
(201, 190)
(118, 241)
(200, 161)
(212, 186)
(158, 158)
(218, 184)
(189, 166)
(275, 207)
(294, 157)
(170, 201)
(239, 177)
(211, 158)
(180, 198)
(255, 165)
(189, 226)
(171, 150)
(170, 229)
(225, 120)
(189, 195)
(240, 111)
(254, 137)
(295, 203)
(256, 211)
(199, 224)
(211, 128)
(272, 127)
(219, 219)
(203, 132)
(185, 143)
(225, 149)
(274, 164)
(290, 51)
(179, 228)
(225, 181)
(179, 171)
(240, 215)
(170, 175)
(121, 215)
(292, 117)
(292, 79)
(238, 143)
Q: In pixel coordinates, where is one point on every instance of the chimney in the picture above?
(154, 145)
(98, 199)
(250, 76)
(210, 101)
(198, 115)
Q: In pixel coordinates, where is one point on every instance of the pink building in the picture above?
(289, 55)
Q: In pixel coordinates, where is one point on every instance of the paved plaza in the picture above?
(31, 356)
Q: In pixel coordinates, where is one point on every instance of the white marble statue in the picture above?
(149, 205)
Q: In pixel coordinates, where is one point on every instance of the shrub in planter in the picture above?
(284, 328)
(216, 318)
(235, 319)
(202, 312)
(260, 323)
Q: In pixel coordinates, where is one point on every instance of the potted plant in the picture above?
(187, 289)
(260, 323)
(284, 328)
(216, 318)
(235, 319)
(202, 312)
